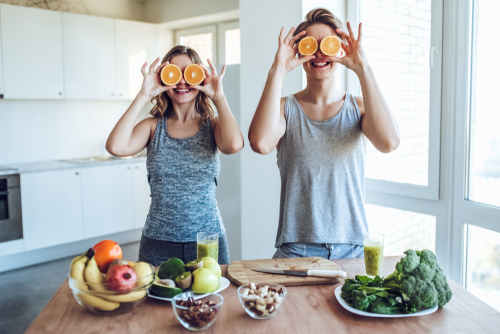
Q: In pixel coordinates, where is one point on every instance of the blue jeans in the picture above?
(327, 251)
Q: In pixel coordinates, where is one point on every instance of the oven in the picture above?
(11, 220)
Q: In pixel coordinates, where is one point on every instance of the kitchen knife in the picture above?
(310, 272)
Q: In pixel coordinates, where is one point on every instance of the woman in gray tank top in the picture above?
(183, 140)
(319, 134)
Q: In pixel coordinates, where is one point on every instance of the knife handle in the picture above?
(327, 273)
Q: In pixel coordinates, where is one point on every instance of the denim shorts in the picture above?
(327, 251)
(156, 252)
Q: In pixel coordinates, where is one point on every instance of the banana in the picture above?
(93, 276)
(129, 297)
(143, 271)
(76, 272)
(97, 303)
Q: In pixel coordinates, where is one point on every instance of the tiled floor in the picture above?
(25, 292)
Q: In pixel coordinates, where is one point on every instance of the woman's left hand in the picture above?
(213, 83)
(354, 58)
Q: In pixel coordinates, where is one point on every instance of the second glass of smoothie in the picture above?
(208, 245)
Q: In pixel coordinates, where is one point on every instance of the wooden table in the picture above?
(307, 309)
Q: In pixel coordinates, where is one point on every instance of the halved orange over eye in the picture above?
(171, 75)
(194, 74)
(308, 46)
(330, 46)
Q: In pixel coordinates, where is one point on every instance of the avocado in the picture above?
(184, 280)
(171, 269)
(161, 288)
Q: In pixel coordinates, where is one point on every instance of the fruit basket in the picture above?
(104, 296)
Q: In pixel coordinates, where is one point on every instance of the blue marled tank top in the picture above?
(182, 174)
(322, 169)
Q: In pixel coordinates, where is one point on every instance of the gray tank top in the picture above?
(321, 165)
(183, 175)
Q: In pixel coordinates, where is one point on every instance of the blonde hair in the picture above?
(323, 16)
(163, 106)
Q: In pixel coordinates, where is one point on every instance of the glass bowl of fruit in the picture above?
(261, 301)
(119, 289)
(197, 314)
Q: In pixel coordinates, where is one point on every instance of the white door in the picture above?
(135, 44)
(89, 57)
(107, 200)
(142, 194)
(51, 207)
(32, 53)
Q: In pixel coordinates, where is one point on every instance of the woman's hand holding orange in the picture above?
(354, 58)
(286, 56)
(152, 86)
(212, 85)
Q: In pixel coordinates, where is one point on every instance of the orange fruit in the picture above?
(308, 46)
(171, 75)
(105, 252)
(194, 74)
(330, 46)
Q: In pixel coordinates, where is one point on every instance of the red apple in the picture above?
(121, 277)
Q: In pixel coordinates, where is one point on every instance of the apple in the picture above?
(212, 265)
(204, 281)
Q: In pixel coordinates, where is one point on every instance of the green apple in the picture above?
(204, 281)
(212, 265)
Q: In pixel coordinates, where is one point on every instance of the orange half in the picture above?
(330, 46)
(308, 46)
(194, 74)
(171, 75)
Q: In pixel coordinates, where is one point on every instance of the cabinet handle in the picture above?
(76, 173)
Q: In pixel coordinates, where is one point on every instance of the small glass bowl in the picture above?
(249, 303)
(197, 320)
(99, 299)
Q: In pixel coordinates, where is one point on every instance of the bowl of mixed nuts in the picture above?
(197, 314)
(261, 301)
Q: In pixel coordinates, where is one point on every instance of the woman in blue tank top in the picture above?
(183, 140)
(319, 135)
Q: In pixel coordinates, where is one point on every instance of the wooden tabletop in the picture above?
(307, 309)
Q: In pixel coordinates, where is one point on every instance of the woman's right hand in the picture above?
(286, 56)
(152, 85)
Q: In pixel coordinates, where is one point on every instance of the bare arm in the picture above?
(127, 138)
(378, 123)
(268, 123)
(227, 133)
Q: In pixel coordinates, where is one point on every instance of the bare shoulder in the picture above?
(214, 121)
(361, 105)
(282, 106)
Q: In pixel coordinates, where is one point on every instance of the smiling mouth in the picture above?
(182, 91)
(318, 64)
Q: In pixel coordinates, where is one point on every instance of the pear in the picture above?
(212, 265)
(204, 281)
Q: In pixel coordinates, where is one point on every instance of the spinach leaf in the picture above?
(361, 300)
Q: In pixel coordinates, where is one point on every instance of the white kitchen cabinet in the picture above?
(107, 200)
(51, 207)
(89, 57)
(32, 53)
(142, 194)
(135, 44)
(1, 73)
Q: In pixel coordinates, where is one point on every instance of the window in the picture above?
(484, 150)
(402, 48)
(220, 43)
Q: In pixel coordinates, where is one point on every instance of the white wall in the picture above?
(118, 9)
(37, 130)
(173, 10)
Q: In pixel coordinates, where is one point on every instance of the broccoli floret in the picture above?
(419, 293)
(442, 287)
(408, 263)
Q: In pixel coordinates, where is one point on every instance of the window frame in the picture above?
(221, 39)
(431, 191)
(212, 28)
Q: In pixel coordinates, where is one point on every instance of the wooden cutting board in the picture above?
(240, 273)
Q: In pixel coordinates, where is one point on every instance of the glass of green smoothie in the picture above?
(374, 254)
(208, 245)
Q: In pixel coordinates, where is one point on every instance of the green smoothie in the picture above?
(374, 255)
(209, 248)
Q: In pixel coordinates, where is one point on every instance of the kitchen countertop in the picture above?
(52, 165)
(306, 309)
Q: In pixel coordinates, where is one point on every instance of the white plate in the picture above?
(223, 284)
(378, 315)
